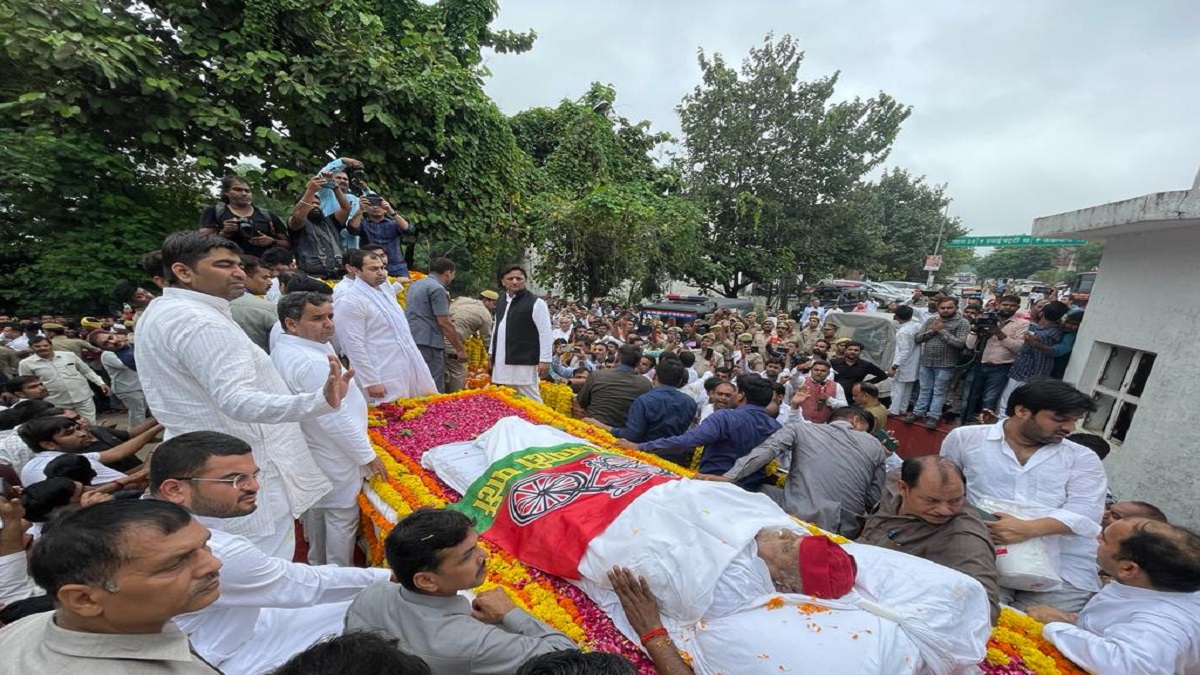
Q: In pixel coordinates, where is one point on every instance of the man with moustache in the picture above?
(1001, 345)
(119, 573)
(1027, 459)
(924, 512)
(253, 229)
(434, 554)
(521, 346)
(270, 608)
(338, 440)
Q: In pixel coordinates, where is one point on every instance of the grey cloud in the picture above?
(1024, 108)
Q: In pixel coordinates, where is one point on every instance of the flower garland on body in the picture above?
(403, 431)
(1017, 646)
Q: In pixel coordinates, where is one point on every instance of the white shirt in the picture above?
(34, 470)
(124, 379)
(343, 285)
(338, 441)
(907, 357)
(201, 373)
(1065, 477)
(273, 293)
(13, 450)
(373, 330)
(503, 373)
(66, 377)
(15, 582)
(252, 581)
(557, 334)
(1125, 630)
(17, 344)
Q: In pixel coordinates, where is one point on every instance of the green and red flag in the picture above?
(544, 505)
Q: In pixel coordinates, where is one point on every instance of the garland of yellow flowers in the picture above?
(1017, 635)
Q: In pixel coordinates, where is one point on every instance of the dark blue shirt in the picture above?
(387, 234)
(659, 413)
(726, 435)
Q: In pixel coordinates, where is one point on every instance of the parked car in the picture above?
(904, 285)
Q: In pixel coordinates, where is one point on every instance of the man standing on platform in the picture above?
(201, 373)
(338, 441)
(521, 344)
(428, 311)
(373, 332)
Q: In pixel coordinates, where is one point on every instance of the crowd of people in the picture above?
(257, 362)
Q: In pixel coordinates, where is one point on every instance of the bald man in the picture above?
(924, 513)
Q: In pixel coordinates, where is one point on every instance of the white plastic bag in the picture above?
(1030, 565)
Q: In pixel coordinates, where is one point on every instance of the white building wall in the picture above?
(1147, 297)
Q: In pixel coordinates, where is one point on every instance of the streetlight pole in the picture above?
(938, 245)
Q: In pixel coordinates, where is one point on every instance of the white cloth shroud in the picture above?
(693, 541)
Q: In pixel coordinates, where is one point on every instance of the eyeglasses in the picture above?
(241, 481)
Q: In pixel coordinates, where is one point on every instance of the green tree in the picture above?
(770, 157)
(1087, 258)
(1014, 262)
(169, 88)
(890, 225)
(605, 213)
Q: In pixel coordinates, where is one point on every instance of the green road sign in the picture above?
(1012, 240)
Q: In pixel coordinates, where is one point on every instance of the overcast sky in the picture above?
(1024, 108)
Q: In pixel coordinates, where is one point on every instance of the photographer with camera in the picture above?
(995, 340)
(383, 226)
(236, 218)
(315, 234)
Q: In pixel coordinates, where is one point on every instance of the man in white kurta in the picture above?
(906, 363)
(523, 377)
(200, 372)
(1026, 459)
(338, 440)
(1142, 621)
(373, 332)
(270, 609)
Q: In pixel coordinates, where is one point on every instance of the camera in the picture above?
(246, 228)
(987, 321)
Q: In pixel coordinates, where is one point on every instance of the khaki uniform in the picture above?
(62, 343)
(470, 317)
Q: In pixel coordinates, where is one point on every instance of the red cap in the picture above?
(826, 570)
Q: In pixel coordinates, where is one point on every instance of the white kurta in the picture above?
(373, 332)
(504, 373)
(1065, 477)
(201, 373)
(255, 590)
(338, 440)
(66, 377)
(907, 358)
(1125, 630)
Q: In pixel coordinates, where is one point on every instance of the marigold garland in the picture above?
(401, 432)
(1017, 646)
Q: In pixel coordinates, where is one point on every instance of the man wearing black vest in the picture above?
(521, 343)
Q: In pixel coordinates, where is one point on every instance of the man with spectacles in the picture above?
(270, 608)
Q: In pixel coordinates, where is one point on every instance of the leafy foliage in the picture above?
(771, 158)
(171, 87)
(1014, 262)
(893, 223)
(604, 213)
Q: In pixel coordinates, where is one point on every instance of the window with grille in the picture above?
(1118, 391)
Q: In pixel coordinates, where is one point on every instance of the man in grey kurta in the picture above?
(836, 470)
(434, 554)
